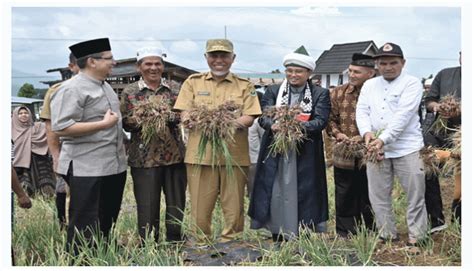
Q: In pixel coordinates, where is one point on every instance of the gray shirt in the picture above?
(85, 99)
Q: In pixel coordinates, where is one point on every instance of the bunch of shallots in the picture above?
(431, 160)
(350, 148)
(454, 163)
(455, 139)
(449, 107)
(287, 130)
(152, 115)
(373, 154)
(217, 127)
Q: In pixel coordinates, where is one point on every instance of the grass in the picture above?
(38, 241)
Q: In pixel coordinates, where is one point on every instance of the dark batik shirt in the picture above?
(342, 118)
(166, 149)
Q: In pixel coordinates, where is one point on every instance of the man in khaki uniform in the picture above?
(206, 182)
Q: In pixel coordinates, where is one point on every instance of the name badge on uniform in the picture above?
(204, 93)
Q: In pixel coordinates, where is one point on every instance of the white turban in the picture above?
(299, 60)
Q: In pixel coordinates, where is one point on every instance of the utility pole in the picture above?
(225, 31)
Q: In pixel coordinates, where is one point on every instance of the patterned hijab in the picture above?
(28, 137)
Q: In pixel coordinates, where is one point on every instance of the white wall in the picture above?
(323, 80)
(345, 78)
(334, 80)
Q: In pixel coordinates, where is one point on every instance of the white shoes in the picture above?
(438, 228)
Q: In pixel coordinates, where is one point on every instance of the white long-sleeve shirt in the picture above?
(393, 107)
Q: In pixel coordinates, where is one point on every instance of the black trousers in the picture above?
(61, 209)
(433, 200)
(352, 200)
(94, 205)
(147, 186)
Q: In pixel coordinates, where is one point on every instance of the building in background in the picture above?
(331, 69)
(262, 80)
(332, 65)
(125, 72)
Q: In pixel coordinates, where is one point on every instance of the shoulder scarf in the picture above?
(306, 104)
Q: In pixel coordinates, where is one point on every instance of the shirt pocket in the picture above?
(203, 98)
(393, 99)
(94, 107)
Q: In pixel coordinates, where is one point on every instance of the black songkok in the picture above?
(90, 47)
(359, 59)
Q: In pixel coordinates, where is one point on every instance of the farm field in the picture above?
(37, 241)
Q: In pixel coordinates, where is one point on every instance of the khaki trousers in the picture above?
(205, 184)
(410, 172)
(457, 184)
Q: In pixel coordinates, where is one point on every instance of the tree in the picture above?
(276, 71)
(27, 91)
(40, 93)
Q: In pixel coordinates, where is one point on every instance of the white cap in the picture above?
(149, 51)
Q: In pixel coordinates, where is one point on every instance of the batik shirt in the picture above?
(343, 111)
(162, 150)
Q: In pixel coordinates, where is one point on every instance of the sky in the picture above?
(430, 36)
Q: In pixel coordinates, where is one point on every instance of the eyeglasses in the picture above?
(105, 58)
(295, 71)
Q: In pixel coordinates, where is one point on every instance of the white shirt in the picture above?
(393, 107)
(255, 139)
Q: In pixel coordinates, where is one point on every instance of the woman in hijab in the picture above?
(31, 161)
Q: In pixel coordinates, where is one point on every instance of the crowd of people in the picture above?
(83, 132)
